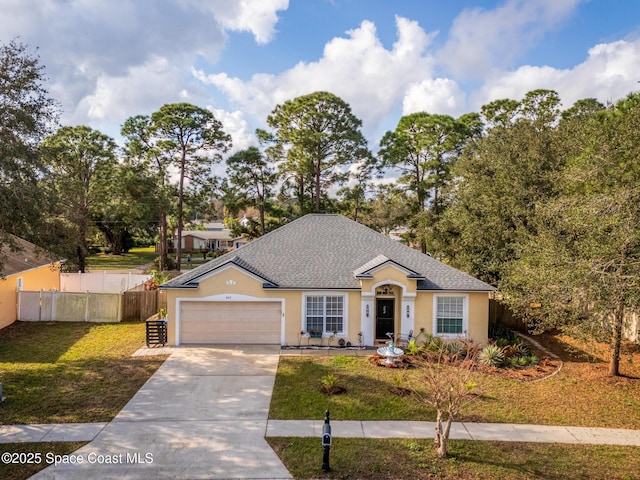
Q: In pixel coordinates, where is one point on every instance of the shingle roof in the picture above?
(26, 257)
(326, 252)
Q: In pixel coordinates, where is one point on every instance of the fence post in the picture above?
(86, 307)
(54, 305)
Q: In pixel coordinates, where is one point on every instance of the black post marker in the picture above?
(326, 442)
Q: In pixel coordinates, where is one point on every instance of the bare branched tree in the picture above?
(445, 384)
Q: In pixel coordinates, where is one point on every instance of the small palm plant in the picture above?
(329, 381)
(491, 355)
(330, 385)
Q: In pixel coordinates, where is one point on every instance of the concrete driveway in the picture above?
(202, 415)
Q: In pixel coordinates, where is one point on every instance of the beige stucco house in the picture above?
(24, 268)
(328, 274)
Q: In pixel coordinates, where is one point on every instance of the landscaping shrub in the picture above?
(492, 356)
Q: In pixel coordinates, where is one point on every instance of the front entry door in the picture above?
(384, 318)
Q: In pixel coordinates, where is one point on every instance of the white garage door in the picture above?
(230, 322)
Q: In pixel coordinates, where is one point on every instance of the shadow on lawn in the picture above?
(92, 390)
(565, 351)
(298, 395)
(39, 342)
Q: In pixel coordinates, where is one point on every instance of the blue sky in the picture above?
(110, 59)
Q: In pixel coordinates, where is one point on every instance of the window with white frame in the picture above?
(324, 313)
(450, 315)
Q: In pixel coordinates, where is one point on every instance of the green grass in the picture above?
(595, 399)
(134, 258)
(415, 459)
(70, 372)
(19, 471)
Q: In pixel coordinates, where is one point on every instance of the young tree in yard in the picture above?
(194, 140)
(253, 176)
(582, 265)
(447, 387)
(27, 115)
(317, 136)
(82, 165)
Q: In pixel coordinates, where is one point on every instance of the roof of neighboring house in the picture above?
(26, 257)
(208, 234)
(214, 226)
(330, 252)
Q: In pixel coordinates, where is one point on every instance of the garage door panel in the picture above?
(230, 322)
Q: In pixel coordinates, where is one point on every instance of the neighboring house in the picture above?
(324, 273)
(28, 268)
(199, 240)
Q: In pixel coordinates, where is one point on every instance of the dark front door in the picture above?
(384, 318)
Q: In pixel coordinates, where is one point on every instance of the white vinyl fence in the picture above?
(103, 282)
(68, 307)
(631, 327)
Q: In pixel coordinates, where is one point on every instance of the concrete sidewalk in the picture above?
(202, 415)
(362, 429)
(462, 431)
(54, 432)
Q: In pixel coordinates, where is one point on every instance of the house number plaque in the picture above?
(385, 290)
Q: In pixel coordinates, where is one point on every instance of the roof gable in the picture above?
(22, 257)
(329, 252)
(379, 262)
(233, 262)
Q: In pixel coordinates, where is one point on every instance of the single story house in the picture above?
(326, 275)
(199, 240)
(27, 268)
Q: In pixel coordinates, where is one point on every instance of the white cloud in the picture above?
(609, 73)
(235, 124)
(256, 16)
(357, 68)
(480, 40)
(141, 91)
(109, 58)
(439, 95)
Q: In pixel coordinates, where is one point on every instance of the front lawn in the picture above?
(134, 258)
(70, 372)
(22, 470)
(580, 394)
(381, 459)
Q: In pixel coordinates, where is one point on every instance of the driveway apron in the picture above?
(202, 415)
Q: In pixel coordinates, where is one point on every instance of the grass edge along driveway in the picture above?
(68, 372)
(581, 394)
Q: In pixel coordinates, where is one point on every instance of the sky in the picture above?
(107, 60)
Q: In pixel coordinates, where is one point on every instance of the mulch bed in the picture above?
(545, 368)
(335, 390)
(400, 362)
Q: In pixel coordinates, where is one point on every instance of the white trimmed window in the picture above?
(324, 313)
(451, 317)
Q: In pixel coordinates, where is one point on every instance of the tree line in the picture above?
(538, 201)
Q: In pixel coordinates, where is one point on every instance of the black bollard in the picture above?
(326, 442)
